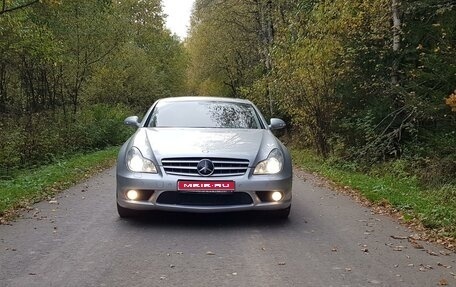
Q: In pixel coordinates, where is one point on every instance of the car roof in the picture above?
(208, 99)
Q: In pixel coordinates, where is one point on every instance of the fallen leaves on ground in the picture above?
(432, 253)
(425, 267)
(400, 237)
(443, 265)
(415, 243)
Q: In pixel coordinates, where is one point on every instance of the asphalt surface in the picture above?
(329, 240)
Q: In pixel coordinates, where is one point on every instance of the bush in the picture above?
(100, 126)
(43, 138)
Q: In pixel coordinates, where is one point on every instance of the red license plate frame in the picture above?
(213, 186)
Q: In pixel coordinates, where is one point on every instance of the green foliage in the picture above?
(307, 71)
(98, 127)
(128, 77)
(349, 83)
(45, 138)
(222, 46)
(71, 71)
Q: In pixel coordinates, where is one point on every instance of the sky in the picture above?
(178, 20)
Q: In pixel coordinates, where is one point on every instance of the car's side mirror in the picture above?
(277, 124)
(132, 121)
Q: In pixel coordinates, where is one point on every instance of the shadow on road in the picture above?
(207, 220)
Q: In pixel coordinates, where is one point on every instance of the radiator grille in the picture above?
(222, 166)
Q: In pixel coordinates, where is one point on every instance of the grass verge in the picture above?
(30, 186)
(434, 207)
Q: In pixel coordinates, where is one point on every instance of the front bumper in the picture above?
(253, 189)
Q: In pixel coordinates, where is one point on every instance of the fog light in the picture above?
(276, 196)
(132, 194)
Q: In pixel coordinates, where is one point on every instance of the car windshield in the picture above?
(204, 114)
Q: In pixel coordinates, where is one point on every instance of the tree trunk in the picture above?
(266, 41)
(3, 89)
(397, 30)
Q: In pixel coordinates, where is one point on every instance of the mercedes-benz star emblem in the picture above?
(205, 167)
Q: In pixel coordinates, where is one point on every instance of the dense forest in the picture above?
(359, 82)
(71, 71)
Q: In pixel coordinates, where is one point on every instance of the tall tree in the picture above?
(74, 56)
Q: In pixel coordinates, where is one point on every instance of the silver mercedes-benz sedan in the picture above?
(204, 154)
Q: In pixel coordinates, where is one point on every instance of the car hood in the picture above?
(160, 143)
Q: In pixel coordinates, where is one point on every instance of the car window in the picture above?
(207, 114)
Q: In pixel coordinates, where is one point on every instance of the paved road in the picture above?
(329, 240)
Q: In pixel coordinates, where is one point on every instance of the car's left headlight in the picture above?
(137, 163)
(272, 165)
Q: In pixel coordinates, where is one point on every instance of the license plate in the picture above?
(206, 186)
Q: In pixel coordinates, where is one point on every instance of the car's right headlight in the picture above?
(137, 163)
